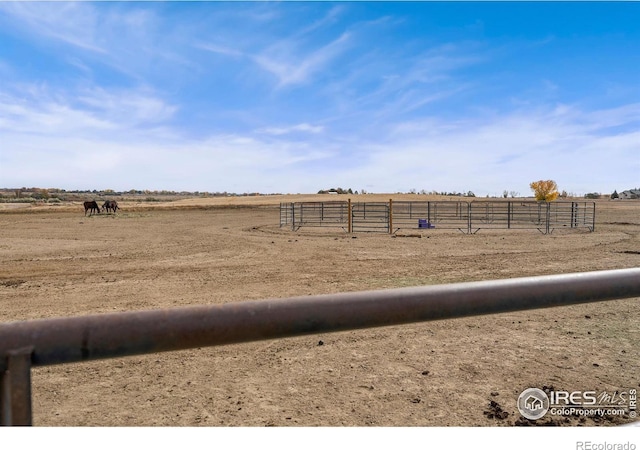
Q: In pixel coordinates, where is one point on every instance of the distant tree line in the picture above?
(545, 190)
(337, 191)
(34, 194)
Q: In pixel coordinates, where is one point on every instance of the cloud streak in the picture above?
(290, 69)
(302, 127)
(72, 23)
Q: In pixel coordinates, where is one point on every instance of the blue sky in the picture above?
(294, 97)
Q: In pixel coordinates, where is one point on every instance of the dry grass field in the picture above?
(54, 261)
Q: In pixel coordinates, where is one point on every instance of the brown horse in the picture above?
(110, 205)
(91, 207)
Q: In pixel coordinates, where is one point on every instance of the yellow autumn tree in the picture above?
(545, 190)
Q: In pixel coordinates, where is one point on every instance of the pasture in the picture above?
(464, 372)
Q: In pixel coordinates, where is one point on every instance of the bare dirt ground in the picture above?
(54, 261)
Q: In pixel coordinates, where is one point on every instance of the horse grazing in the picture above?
(110, 205)
(91, 207)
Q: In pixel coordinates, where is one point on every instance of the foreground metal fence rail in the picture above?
(72, 339)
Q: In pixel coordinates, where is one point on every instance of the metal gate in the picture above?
(370, 217)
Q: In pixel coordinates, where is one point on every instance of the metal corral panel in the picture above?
(509, 215)
(541, 216)
(429, 215)
(572, 215)
(314, 214)
(371, 217)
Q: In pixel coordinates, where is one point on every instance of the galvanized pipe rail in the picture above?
(72, 339)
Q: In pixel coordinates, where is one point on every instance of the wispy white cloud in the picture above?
(220, 49)
(381, 85)
(98, 115)
(486, 156)
(291, 67)
(328, 19)
(134, 106)
(46, 115)
(131, 40)
(507, 152)
(302, 127)
(291, 59)
(74, 23)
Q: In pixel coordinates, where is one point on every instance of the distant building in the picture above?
(630, 194)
